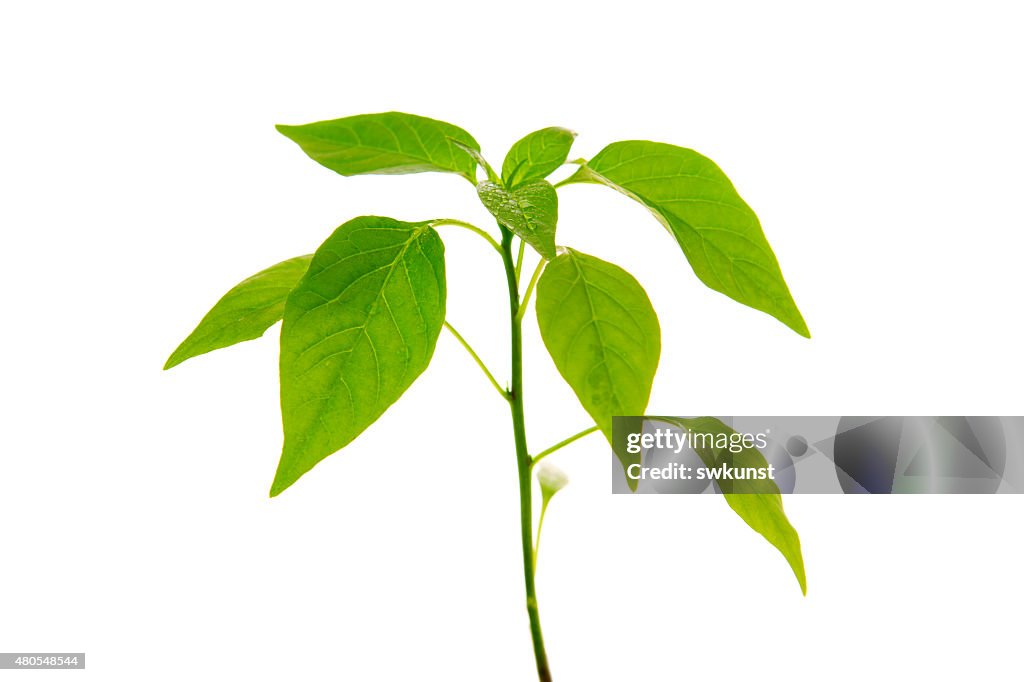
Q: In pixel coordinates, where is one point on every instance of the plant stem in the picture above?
(479, 362)
(529, 289)
(561, 444)
(540, 527)
(523, 460)
(470, 227)
(519, 259)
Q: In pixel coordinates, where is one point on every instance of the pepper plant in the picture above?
(362, 315)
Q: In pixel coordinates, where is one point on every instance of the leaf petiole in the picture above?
(472, 228)
(519, 259)
(469, 349)
(529, 289)
(479, 158)
(561, 444)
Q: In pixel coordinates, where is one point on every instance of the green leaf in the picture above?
(536, 156)
(720, 235)
(602, 333)
(531, 211)
(757, 502)
(391, 143)
(245, 312)
(358, 329)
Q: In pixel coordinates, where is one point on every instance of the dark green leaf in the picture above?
(245, 312)
(720, 235)
(358, 329)
(531, 211)
(602, 333)
(757, 502)
(389, 144)
(536, 156)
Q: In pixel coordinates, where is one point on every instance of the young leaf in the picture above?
(757, 502)
(719, 234)
(245, 312)
(602, 333)
(391, 143)
(536, 156)
(358, 329)
(531, 211)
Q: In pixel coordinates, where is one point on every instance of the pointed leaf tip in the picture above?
(720, 235)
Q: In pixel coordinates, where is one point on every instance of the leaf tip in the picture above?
(176, 358)
(278, 487)
(800, 327)
(282, 481)
(285, 129)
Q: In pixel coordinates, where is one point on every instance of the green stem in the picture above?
(561, 444)
(540, 527)
(525, 464)
(519, 259)
(479, 362)
(470, 227)
(529, 289)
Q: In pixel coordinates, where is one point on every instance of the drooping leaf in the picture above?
(391, 143)
(245, 312)
(536, 156)
(531, 211)
(720, 235)
(602, 333)
(756, 501)
(358, 329)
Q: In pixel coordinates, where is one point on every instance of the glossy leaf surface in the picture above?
(531, 211)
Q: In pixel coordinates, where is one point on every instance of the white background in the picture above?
(141, 177)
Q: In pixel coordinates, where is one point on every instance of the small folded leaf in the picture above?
(531, 211)
(719, 234)
(391, 143)
(536, 156)
(602, 333)
(551, 480)
(757, 502)
(358, 329)
(245, 312)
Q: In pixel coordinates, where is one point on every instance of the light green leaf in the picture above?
(391, 143)
(531, 211)
(245, 312)
(720, 235)
(358, 329)
(602, 333)
(536, 156)
(757, 502)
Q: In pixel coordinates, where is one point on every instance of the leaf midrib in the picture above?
(391, 267)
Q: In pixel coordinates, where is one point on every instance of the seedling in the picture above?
(362, 315)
